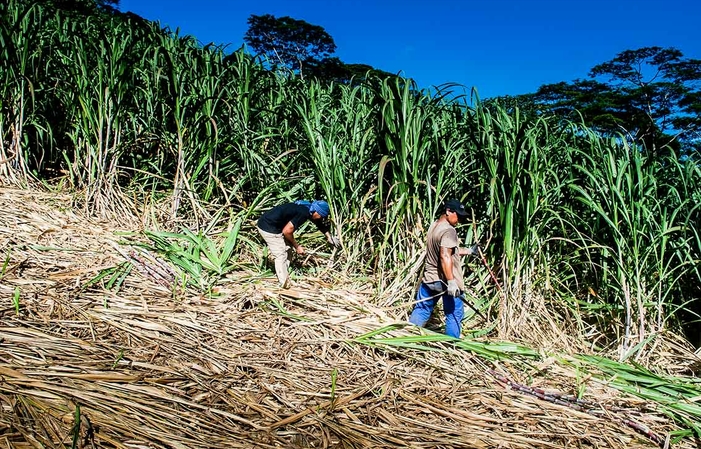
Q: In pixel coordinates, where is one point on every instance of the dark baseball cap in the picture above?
(457, 207)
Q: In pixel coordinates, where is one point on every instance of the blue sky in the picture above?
(500, 47)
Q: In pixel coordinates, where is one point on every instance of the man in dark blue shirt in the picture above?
(277, 227)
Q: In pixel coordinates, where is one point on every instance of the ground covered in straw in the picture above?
(143, 366)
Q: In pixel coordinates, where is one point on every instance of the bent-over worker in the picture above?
(278, 225)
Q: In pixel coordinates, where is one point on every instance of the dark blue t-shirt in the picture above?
(277, 218)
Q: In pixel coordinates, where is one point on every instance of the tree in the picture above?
(85, 6)
(650, 94)
(526, 104)
(333, 69)
(288, 42)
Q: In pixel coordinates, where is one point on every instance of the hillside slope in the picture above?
(253, 366)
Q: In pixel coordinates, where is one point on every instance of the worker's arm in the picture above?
(289, 233)
(447, 262)
(473, 250)
(447, 267)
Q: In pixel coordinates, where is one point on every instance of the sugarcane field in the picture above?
(134, 360)
(205, 248)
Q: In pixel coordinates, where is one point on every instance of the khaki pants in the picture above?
(282, 253)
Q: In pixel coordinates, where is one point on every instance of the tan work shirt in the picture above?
(442, 233)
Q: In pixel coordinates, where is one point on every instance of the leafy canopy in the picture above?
(288, 42)
(651, 95)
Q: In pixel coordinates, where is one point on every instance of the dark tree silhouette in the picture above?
(288, 42)
(652, 95)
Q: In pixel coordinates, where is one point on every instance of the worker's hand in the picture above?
(334, 241)
(474, 250)
(453, 289)
(300, 249)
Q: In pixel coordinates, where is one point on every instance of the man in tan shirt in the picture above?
(443, 271)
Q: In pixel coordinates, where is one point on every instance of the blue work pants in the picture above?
(426, 299)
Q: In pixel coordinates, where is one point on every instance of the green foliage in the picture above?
(651, 95)
(490, 350)
(527, 168)
(20, 63)
(288, 42)
(340, 138)
(84, 6)
(334, 377)
(637, 215)
(118, 358)
(117, 106)
(202, 260)
(75, 429)
(15, 300)
(335, 70)
(114, 276)
(5, 263)
(560, 183)
(675, 396)
(526, 105)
